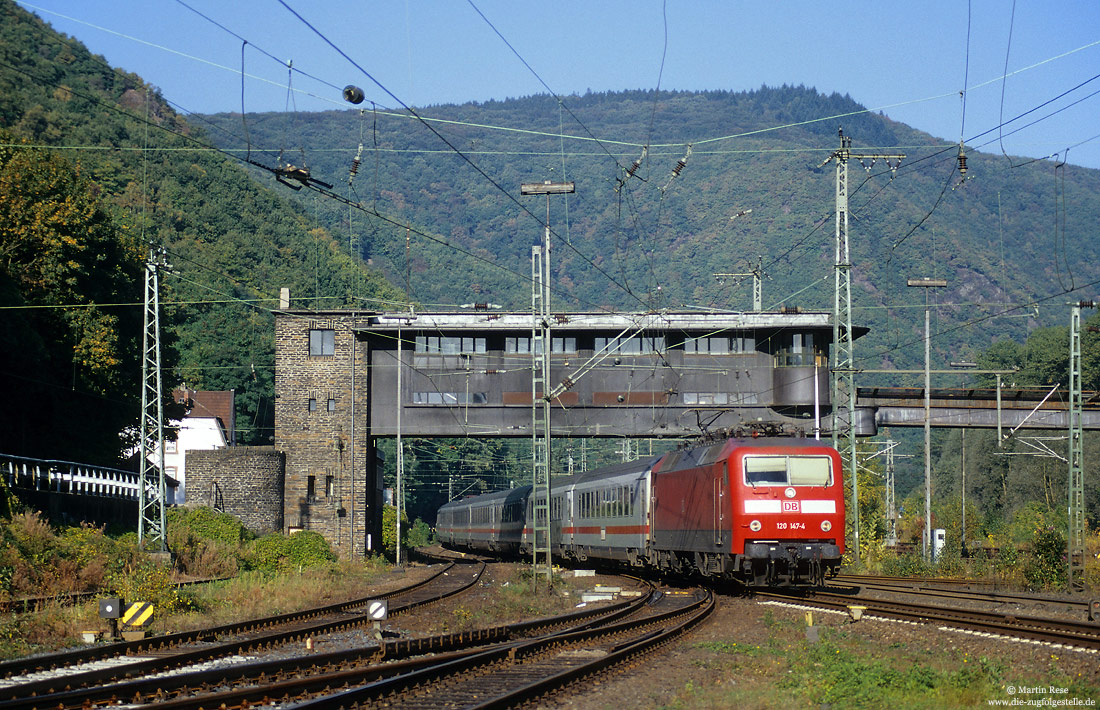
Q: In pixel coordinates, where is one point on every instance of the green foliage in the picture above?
(206, 543)
(147, 582)
(419, 534)
(208, 524)
(1048, 566)
(69, 240)
(61, 255)
(389, 529)
(829, 673)
(275, 553)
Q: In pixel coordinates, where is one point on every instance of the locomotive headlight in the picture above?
(755, 526)
(826, 525)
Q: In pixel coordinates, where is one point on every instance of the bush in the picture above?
(207, 543)
(419, 535)
(1047, 566)
(208, 524)
(276, 552)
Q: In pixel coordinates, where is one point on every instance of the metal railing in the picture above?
(68, 477)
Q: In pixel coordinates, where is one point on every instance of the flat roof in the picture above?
(489, 320)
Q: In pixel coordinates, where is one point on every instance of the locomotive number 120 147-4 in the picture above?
(790, 526)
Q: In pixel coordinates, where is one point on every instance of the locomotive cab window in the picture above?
(788, 470)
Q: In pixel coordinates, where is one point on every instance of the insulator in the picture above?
(634, 168)
(1086, 304)
(353, 94)
(355, 163)
(962, 163)
(679, 166)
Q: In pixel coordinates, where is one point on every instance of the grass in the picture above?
(514, 598)
(842, 670)
(249, 595)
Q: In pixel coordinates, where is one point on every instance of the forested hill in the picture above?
(752, 191)
(95, 165)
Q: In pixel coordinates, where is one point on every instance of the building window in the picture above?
(448, 345)
(718, 398)
(311, 487)
(720, 345)
(517, 345)
(331, 404)
(313, 404)
(563, 345)
(449, 398)
(322, 343)
(330, 482)
(638, 345)
(797, 350)
(169, 446)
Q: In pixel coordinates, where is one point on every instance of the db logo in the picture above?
(790, 506)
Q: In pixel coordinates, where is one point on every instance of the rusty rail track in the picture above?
(1068, 633)
(959, 589)
(257, 635)
(304, 676)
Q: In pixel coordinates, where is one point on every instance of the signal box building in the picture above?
(345, 379)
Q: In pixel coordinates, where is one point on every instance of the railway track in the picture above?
(1043, 629)
(961, 590)
(363, 673)
(42, 675)
(24, 605)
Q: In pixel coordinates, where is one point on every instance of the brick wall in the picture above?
(244, 481)
(321, 420)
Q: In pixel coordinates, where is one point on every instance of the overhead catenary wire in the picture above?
(453, 147)
(697, 141)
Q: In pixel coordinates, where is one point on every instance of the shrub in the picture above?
(1047, 566)
(308, 549)
(276, 552)
(207, 543)
(419, 535)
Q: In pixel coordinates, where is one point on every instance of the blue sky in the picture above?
(909, 60)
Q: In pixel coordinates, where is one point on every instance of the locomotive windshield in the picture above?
(788, 470)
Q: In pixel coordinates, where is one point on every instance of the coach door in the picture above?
(721, 484)
(570, 519)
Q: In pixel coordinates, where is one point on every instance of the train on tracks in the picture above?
(762, 510)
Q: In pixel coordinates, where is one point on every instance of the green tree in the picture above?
(69, 279)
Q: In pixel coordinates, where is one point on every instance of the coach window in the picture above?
(322, 342)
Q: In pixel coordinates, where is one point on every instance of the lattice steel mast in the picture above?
(152, 494)
(540, 416)
(1075, 542)
(541, 396)
(843, 390)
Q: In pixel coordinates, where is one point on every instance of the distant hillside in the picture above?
(232, 243)
(1008, 235)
